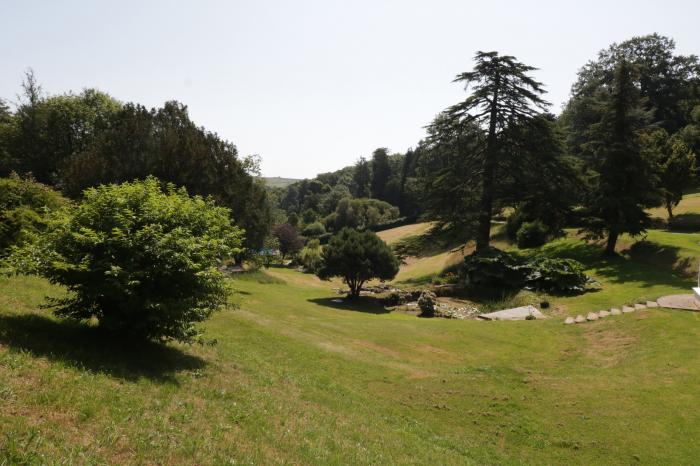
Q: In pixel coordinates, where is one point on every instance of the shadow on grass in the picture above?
(668, 257)
(92, 349)
(686, 223)
(367, 304)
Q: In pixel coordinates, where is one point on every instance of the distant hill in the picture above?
(278, 181)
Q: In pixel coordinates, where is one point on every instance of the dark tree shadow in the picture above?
(367, 304)
(92, 349)
(687, 223)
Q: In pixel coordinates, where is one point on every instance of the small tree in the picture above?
(289, 241)
(357, 256)
(141, 258)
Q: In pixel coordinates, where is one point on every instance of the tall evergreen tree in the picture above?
(362, 178)
(624, 180)
(381, 171)
(503, 94)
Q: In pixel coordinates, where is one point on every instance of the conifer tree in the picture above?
(503, 94)
(623, 181)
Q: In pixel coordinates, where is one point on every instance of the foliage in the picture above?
(669, 84)
(24, 206)
(558, 275)
(357, 256)
(531, 234)
(362, 179)
(494, 269)
(289, 241)
(676, 166)
(310, 256)
(76, 141)
(361, 213)
(381, 172)
(314, 230)
(141, 258)
(502, 95)
(46, 131)
(427, 302)
(623, 181)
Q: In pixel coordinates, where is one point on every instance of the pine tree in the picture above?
(381, 171)
(624, 182)
(362, 178)
(502, 95)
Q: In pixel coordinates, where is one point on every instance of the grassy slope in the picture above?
(297, 378)
(278, 181)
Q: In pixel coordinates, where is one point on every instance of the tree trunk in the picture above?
(483, 234)
(612, 241)
(669, 209)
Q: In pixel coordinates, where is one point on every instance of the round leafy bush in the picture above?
(557, 275)
(141, 258)
(494, 268)
(314, 230)
(24, 205)
(310, 256)
(531, 234)
(357, 256)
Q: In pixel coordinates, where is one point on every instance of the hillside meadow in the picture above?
(288, 375)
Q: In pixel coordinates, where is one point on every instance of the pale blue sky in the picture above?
(312, 85)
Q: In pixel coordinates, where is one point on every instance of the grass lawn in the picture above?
(297, 378)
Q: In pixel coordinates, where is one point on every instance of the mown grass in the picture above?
(296, 378)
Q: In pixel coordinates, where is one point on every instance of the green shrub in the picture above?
(496, 269)
(310, 256)
(557, 275)
(141, 258)
(24, 206)
(427, 302)
(314, 230)
(357, 256)
(531, 234)
(513, 224)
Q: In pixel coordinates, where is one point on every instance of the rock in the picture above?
(615, 312)
(652, 304)
(603, 314)
(569, 320)
(592, 316)
(639, 307)
(579, 319)
(516, 313)
(679, 301)
(627, 309)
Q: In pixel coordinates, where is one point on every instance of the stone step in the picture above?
(627, 309)
(615, 311)
(603, 314)
(569, 320)
(579, 319)
(639, 307)
(591, 316)
(652, 304)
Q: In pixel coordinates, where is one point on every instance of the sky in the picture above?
(310, 86)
